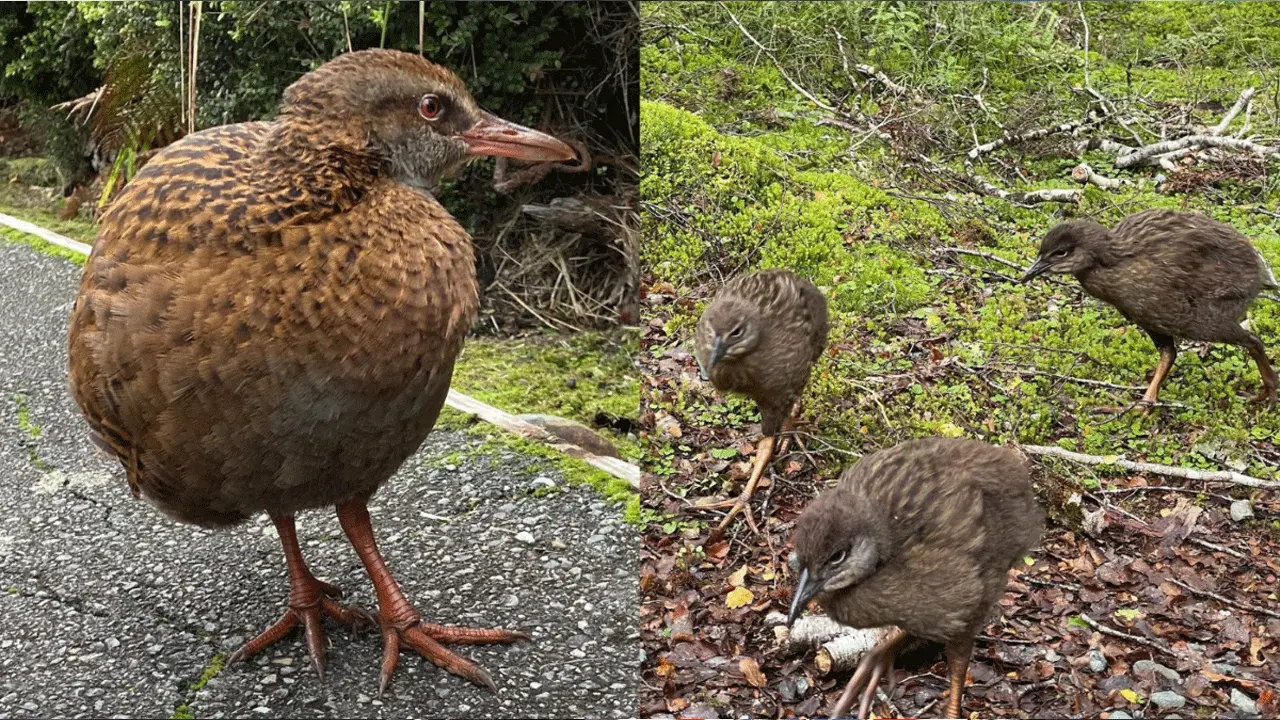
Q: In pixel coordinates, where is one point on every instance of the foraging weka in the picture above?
(760, 337)
(1177, 275)
(920, 536)
(271, 313)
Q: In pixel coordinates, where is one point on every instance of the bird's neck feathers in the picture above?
(312, 170)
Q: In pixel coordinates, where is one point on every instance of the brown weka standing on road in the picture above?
(760, 337)
(271, 314)
(920, 536)
(1177, 275)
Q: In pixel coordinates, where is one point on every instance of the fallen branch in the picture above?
(1029, 197)
(1010, 138)
(1190, 143)
(1227, 476)
(1085, 174)
(1246, 97)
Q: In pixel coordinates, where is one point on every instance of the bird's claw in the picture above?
(429, 641)
(311, 616)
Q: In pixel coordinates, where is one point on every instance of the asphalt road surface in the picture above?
(109, 609)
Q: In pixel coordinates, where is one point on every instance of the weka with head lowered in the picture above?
(920, 536)
(271, 313)
(1177, 275)
(760, 337)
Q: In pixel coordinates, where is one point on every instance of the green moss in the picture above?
(10, 236)
(24, 417)
(571, 376)
(183, 711)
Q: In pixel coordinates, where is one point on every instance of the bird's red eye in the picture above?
(430, 107)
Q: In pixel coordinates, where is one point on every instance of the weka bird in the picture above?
(1177, 275)
(271, 313)
(920, 536)
(760, 337)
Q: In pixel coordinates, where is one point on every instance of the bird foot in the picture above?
(1266, 397)
(429, 641)
(1144, 406)
(309, 602)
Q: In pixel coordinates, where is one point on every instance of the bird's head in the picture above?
(414, 117)
(1070, 247)
(838, 543)
(729, 329)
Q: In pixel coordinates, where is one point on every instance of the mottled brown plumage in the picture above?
(271, 313)
(760, 337)
(920, 536)
(1177, 275)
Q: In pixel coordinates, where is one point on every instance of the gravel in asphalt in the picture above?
(107, 608)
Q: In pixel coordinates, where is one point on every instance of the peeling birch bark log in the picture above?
(1085, 174)
(837, 647)
(1190, 143)
(1246, 97)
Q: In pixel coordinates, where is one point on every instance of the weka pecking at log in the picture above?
(271, 314)
(920, 536)
(760, 337)
(1177, 275)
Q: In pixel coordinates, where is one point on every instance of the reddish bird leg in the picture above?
(401, 622)
(876, 664)
(309, 601)
(958, 668)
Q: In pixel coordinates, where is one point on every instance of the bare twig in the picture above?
(1226, 476)
(1106, 630)
(885, 80)
(1226, 600)
(1010, 138)
(983, 255)
(800, 89)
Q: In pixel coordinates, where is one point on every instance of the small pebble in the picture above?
(525, 537)
(1241, 510)
(1097, 661)
(1168, 699)
(1243, 703)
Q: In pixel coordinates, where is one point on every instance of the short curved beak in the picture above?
(717, 352)
(1038, 268)
(502, 138)
(804, 592)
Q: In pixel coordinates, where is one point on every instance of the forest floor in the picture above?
(1145, 597)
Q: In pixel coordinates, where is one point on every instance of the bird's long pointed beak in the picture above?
(1037, 268)
(503, 138)
(804, 592)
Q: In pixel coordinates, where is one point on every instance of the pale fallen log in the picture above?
(838, 648)
(1085, 174)
(1190, 143)
(871, 71)
(1246, 97)
(1226, 476)
(48, 236)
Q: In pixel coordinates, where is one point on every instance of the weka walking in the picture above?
(760, 337)
(920, 536)
(1177, 275)
(271, 313)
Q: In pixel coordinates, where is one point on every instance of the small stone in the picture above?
(511, 601)
(1168, 699)
(111, 643)
(1097, 661)
(543, 481)
(362, 699)
(1143, 667)
(525, 537)
(262, 710)
(1243, 703)
(558, 544)
(270, 679)
(1119, 715)
(1241, 510)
